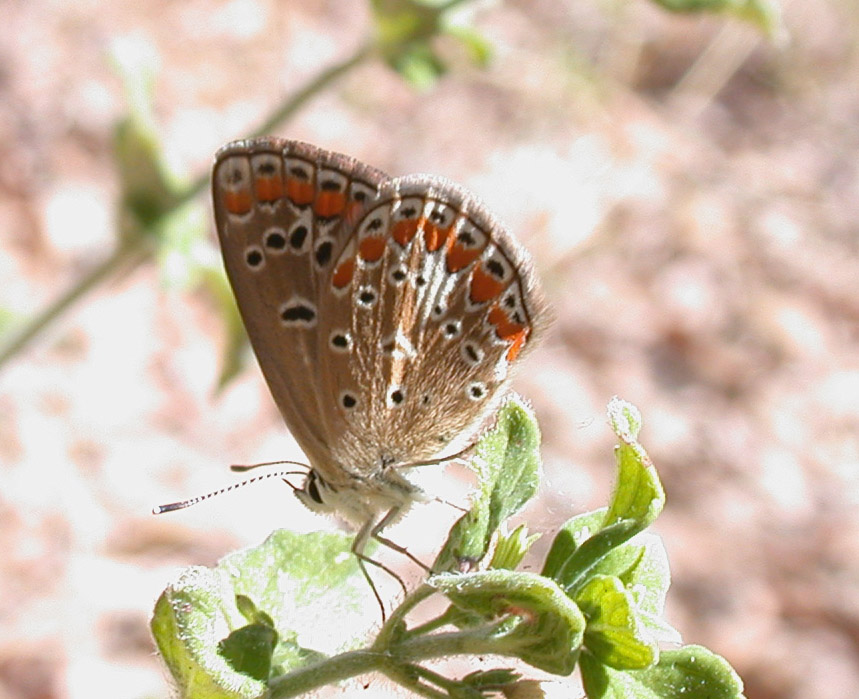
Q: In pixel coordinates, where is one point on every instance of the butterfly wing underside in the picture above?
(430, 304)
(283, 210)
(386, 314)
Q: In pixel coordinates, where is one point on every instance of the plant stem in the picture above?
(125, 250)
(469, 642)
(410, 676)
(320, 82)
(339, 667)
(392, 625)
(120, 256)
(394, 662)
(431, 625)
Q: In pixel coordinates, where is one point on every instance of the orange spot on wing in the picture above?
(518, 342)
(459, 257)
(434, 237)
(237, 201)
(329, 204)
(372, 248)
(484, 287)
(300, 192)
(506, 329)
(403, 231)
(343, 274)
(269, 188)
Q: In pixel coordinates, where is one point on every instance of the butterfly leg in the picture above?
(401, 549)
(391, 516)
(358, 546)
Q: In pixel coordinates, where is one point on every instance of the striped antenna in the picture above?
(182, 504)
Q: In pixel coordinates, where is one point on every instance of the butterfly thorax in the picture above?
(358, 500)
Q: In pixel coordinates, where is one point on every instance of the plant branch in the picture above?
(394, 624)
(328, 671)
(394, 662)
(125, 251)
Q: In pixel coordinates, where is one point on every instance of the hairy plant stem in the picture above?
(127, 249)
(396, 662)
(118, 259)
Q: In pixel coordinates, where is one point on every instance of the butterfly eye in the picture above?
(312, 489)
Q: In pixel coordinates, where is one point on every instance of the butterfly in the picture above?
(386, 314)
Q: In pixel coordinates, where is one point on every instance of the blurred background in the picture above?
(688, 185)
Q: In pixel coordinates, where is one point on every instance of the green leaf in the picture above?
(236, 350)
(249, 650)
(766, 14)
(490, 679)
(148, 191)
(184, 627)
(290, 580)
(249, 611)
(569, 537)
(638, 498)
(638, 494)
(538, 622)
(419, 65)
(185, 254)
(479, 49)
(614, 634)
(511, 548)
(580, 566)
(406, 29)
(641, 564)
(507, 459)
(691, 672)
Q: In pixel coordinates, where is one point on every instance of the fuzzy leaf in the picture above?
(641, 564)
(614, 634)
(691, 672)
(507, 459)
(545, 628)
(638, 494)
(291, 580)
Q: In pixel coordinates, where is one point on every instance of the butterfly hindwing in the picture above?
(438, 301)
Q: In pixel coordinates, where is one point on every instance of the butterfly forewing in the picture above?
(283, 211)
